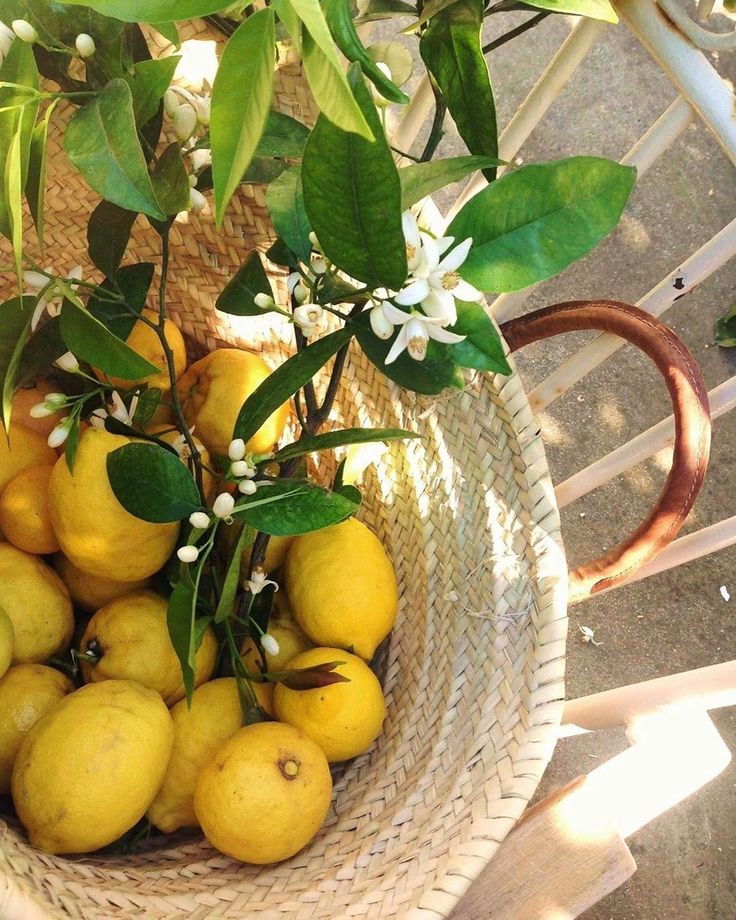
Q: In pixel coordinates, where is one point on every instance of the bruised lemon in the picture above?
(342, 587)
(23, 448)
(24, 511)
(38, 604)
(265, 794)
(145, 342)
(27, 692)
(199, 732)
(90, 592)
(343, 718)
(94, 531)
(89, 769)
(129, 638)
(212, 392)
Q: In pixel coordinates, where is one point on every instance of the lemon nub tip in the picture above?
(289, 768)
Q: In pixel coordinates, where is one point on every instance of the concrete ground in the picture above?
(677, 620)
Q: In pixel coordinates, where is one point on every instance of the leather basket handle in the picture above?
(692, 426)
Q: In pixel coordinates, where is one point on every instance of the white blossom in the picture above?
(85, 45)
(197, 201)
(380, 325)
(200, 520)
(201, 158)
(188, 553)
(7, 36)
(185, 121)
(242, 469)
(236, 449)
(264, 301)
(51, 405)
(308, 317)
(171, 102)
(49, 298)
(67, 362)
(247, 487)
(258, 581)
(269, 645)
(25, 31)
(223, 505)
(413, 239)
(415, 333)
(60, 433)
(199, 103)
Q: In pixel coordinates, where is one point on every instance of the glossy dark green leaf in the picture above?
(726, 329)
(280, 385)
(15, 321)
(241, 102)
(13, 193)
(375, 10)
(154, 11)
(168, 30)
(421, 179)
(339, 16)
(180, 620)
(283, 136)
(288, 508)
(238, 296)
(396, 57)
(280, 254)
(482, 349)
(71, 445)
(132, 282)
(592, 9)
(533, 222)
(90, 340)
(432, 375)
(102, 143)
(285, 203)
(231, 582)
(451, 48)
(339, 438)
(264, 170)
(19, 66)
(171, 181)
(35, 184)
(352, 195)
(324, 71)
(148, 403)
(152, 483)
(42, 349)
(148, 83)
(108, 232)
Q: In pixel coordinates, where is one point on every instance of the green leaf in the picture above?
(90, 340)
(287, 508)
(283, 136)
(153, 11)
(482, 349)
(432, 8)
(13, 186)
(42, 349)
(180, 620)
(264, 170)
(396, 57)
(71, 444)
(19, 67)
(421, 179)
(353, 197)
(231, 583)
(285, 203)
(169, 31)
(152, 483)
(133, 283)
(385, 9)
(102, 143)
(241, 101)
(35, 185)
(725, 329)
(332, 439)
(238, 297)
(280, 254)
(432, 375)
(451, 49)
(171, 181)
(533, 222)
(148, 83)
(15, 322)
(339, 18)
(148, 402)
(108, 232)
(286, 380)
(593, 9)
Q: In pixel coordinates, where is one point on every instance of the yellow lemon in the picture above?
(265, 794)
(27, 692)
(290, 642)
(143, 340)
(342, 587)
(90, 592)
(214, 388)
(24, 511)
(7, 640)
(26, 397)
(171, 435)
(38, 604)
(130, 639)
(199, 733)
(89, 769)
(24, 448)
(344, 719)
(94, 531)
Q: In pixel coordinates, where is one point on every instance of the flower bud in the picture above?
(25, 31)
(247, 487)
(318, 265)
(200, 520)
(85, 45)
(236, 449)
(192, 180)
(241, 468)
(223, 506)
(171, 103)
(381, 326)
(264, 301)
(300, 293)
(308, 315)
(188, 553)
(41, 410)
(269, 645)
(185, 121)
(67, 362)
(313, 239)
(59, 435)
(197, 201)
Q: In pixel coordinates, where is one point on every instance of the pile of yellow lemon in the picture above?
(85, 764)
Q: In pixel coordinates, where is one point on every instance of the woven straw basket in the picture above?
(473, 671)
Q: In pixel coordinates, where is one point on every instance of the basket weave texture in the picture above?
(473, 672)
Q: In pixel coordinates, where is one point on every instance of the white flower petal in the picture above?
(417, 334)
(394, 315)
(430, 253)
(414, 293)
(444, 243)
(440, 305)
(398, 346)
(444, 335)
(380, 324)
(456, 256)
(465, 291)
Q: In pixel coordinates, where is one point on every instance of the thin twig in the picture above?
(513, 33)
(436, 132)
